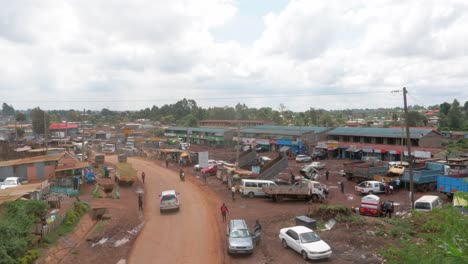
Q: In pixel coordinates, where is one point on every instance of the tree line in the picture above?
(186, 112)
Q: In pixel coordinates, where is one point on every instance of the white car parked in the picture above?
(10, 182)
(305, 241)
(318, 165)
(303, 158)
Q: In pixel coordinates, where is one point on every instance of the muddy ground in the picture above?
(111, 241)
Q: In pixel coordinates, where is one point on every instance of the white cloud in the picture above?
(128, 51)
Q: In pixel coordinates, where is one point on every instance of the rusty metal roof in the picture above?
(54, 157)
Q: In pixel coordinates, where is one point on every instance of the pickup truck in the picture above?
(10, 182)
(370, 187)
(310, 190)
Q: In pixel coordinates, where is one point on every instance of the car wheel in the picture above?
(285, 245)
(304, 255)
(370, 192)
(251, 194)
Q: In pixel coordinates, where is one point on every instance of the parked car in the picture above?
(10, 182)
(305, 241)
(303, 158)
(239, 238)
(211, 170)
(427, 203)
(370, 187)
(210, 162)
(318, 155)
(318, 165)
(169, 201)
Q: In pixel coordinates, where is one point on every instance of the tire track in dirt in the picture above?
(191, 235)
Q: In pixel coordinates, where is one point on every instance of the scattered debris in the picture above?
(121, 242)
(100, 242)
(330, 224)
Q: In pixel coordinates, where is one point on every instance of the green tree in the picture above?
(444, 108)
(416, 119)
(454, 116)
(8, 110)
(20, 117)
(38, 118)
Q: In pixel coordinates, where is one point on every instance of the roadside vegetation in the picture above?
(17, 224)
(440, 236)
(17, 220)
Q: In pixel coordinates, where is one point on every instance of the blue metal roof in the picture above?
(199, 129)
(380, 132)
(283, 130)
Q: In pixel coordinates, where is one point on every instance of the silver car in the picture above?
(239, 239)
(169, 200)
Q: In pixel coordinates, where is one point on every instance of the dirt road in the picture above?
(191, 235)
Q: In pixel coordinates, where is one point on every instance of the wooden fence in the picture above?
(46, 229)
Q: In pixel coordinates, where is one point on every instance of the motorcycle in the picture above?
(182, 176)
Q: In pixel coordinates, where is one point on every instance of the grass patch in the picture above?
(440, 236)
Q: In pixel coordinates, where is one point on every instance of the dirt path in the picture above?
(191, 235)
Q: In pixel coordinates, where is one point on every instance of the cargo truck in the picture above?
(125, 173)
(425, 179)
(310, 190)
(450, 185)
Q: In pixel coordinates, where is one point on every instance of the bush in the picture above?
(30, 256)
(16, 220)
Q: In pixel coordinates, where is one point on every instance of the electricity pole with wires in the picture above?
(408, 145)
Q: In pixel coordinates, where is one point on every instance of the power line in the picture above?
(199, 98)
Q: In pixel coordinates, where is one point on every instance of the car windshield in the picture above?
(309, 237)
(9, 182)
(422, 205)
(238, 233)
(168, 197)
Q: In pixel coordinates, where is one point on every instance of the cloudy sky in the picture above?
(129, 55)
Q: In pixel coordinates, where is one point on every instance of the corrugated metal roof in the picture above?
(199, 129)
(283, 130)
(31, 160)
(379, 132)
(234, 121)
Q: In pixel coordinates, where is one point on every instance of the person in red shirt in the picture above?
(224, 210)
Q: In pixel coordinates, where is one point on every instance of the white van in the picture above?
(427, 203)
(253, 188)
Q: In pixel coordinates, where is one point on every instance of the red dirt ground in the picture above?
(353, 242)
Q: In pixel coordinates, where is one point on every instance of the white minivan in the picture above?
(253, 188)
(427, 203)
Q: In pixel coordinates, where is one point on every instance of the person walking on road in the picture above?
(233, 193)
(257, 226)
(143, 175)
(167, 163)
(341, 186)
(327, 173)
(224, 210)
(140, 201)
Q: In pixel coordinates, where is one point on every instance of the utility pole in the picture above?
(408, 145)
(83, 136)
(238, 145)
(45, 132)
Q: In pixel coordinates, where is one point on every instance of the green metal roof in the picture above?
(199, 129)
(379, 132)
(283, 130)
